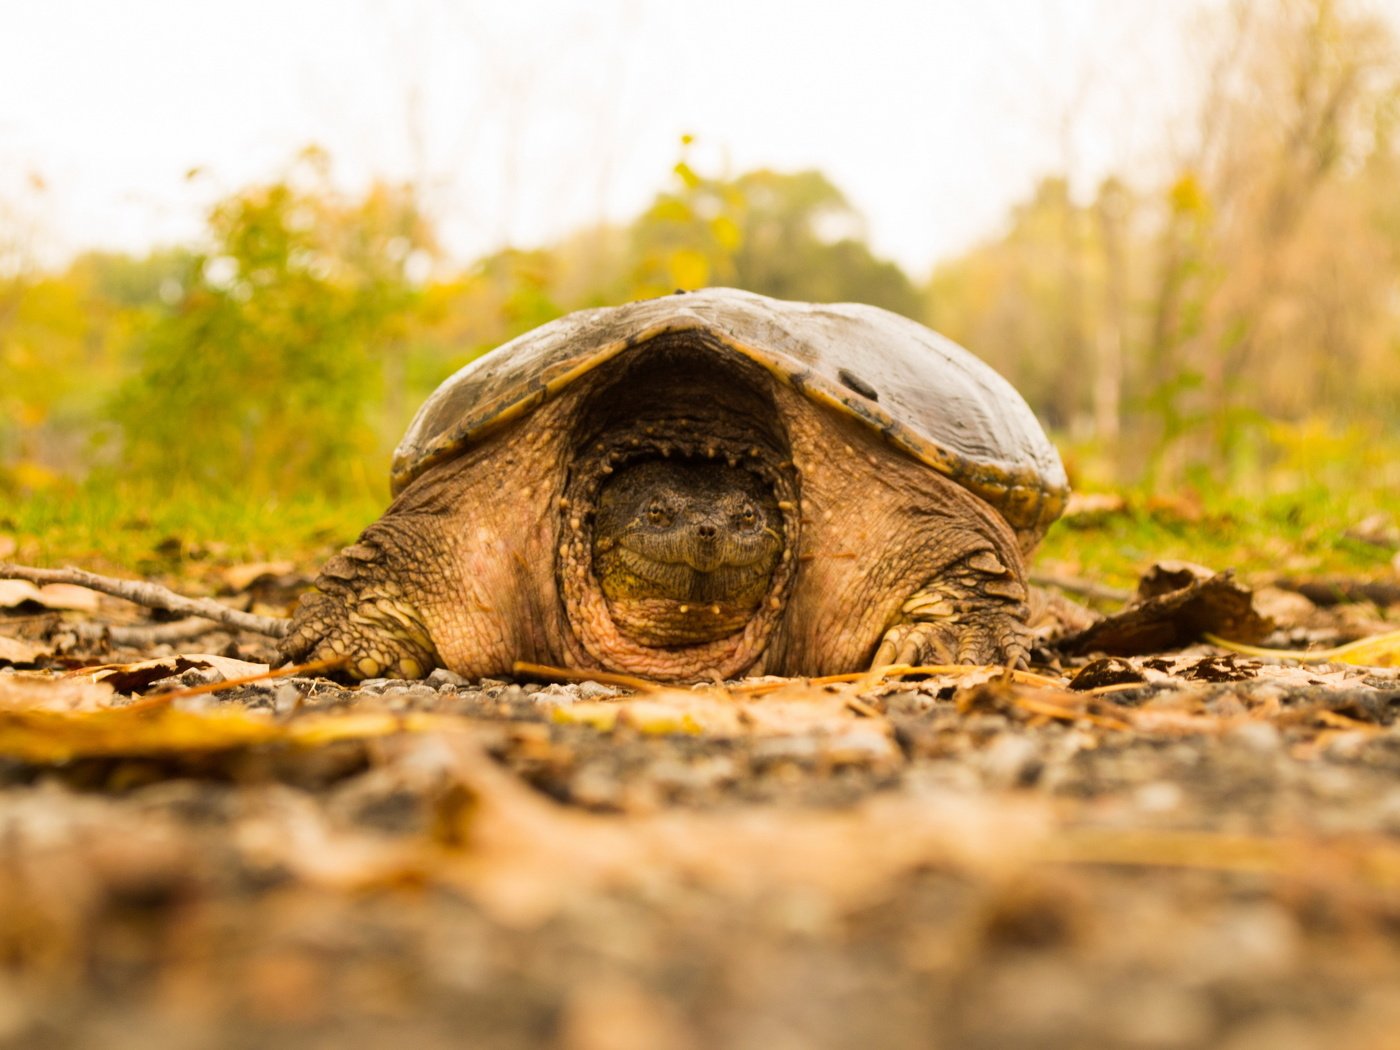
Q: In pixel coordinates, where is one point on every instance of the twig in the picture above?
(161, 699)
(570, 674)
(151, 595)
(1075, 585)
(136, 637)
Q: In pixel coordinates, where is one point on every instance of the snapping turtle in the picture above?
(710, 483)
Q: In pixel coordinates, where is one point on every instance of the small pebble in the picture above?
(595, 691)
(554, 695)
(443, 680)
(286, 699)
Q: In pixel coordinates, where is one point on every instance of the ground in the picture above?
(1180, 848)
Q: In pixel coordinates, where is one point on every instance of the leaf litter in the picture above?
(855, 861)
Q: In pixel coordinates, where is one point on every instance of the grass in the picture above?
(1307, 533)
(144, 530)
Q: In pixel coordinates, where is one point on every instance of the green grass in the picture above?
(140, 529)
(1296, 534)
(144, 529)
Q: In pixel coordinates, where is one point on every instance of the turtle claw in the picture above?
(992, 638)
(352, 620)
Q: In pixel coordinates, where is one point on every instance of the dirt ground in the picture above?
(1181, 848)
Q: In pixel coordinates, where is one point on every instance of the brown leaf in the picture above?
(134, 677)
(19, 653)
(1111, 670)
(1088, 504)
(1170, 575)
(1174, 618)
(42, 692)
(14, 593)
(241, 577)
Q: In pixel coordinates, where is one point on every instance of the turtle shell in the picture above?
(928, 396)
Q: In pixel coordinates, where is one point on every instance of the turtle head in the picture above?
(684, 551)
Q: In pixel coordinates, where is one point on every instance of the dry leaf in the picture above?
(59, 720)
(18, 652)
(43, 692)
(1083, 504)
(51, 737)
(1175, 617)
(241, 577)
(14, 593)
(133, 677)
(1381, 650)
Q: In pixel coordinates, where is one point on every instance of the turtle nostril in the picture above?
(706, 532)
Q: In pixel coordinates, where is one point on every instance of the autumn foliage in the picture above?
(1233, 319)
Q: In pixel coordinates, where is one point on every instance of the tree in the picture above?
(269, 368)
(789, 235)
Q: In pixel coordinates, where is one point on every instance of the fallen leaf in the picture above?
(1336, 590)
(1084, 504)
(1381, 650)
(17, 652)
(134, 677)
(1174, 618)
(1377, 529)
(1171, 575)
(44, 692)
(241, 577)
(48, 721)
(1111, 670)
(51, 737)
(14, 593)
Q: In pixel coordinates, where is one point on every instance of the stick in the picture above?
(570, 674)
(151, 595)
(161, 699)
(1088, 588)
(136, 637)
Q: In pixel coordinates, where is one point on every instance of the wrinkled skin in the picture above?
(684, 552)
(496, 556)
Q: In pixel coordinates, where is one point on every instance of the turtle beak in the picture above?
(706, 551)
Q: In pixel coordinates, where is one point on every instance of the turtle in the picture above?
(706, 485)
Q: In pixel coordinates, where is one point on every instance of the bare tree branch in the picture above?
(135, 636)
(151, 595)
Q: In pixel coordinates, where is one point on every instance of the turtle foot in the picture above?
(368, 630)
(974, 613)
(995, 639)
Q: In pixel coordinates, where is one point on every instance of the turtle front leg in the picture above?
(974, 612)
(360, 616)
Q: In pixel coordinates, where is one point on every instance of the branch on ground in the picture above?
(151, 595)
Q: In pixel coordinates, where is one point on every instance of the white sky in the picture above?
(525, 119)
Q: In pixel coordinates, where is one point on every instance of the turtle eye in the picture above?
(657, 513)
(747, 516)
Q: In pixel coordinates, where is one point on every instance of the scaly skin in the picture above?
(456, 574)
(898, 564)
(487, 559)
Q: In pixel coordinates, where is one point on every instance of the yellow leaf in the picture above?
(726, 232)
(687, 175)
(1380, 650)
(1187, 196)
(688, 268)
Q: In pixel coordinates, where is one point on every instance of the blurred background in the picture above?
(239, 243)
